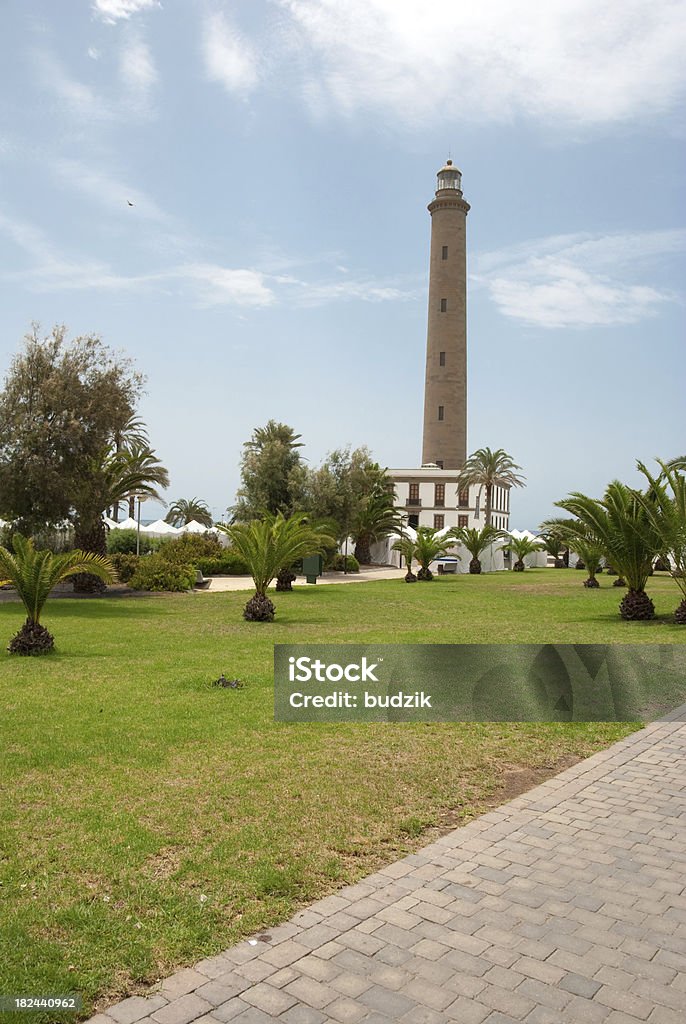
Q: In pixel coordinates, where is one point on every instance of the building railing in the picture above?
(413, 502)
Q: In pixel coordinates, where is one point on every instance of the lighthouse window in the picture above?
(441, 358)
(444, 252)
(444, 305)
(440, 412)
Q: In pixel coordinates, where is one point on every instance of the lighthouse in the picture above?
(445, 388)
(432, 494)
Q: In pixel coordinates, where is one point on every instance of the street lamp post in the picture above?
(140, 499)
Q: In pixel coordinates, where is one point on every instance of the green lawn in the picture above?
(148, 820)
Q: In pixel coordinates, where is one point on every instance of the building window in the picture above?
(444, 305)
(414, 495)
(440, 412)
(413, 521)
(463, 497)
(439, 522)
(441, 358)
(477, 505)
(439, 495)
(439, 463)
(462, 521)
(444, 252)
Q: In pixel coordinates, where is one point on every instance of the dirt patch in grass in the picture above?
(513, 783)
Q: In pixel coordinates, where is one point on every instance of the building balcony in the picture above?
(413, 502)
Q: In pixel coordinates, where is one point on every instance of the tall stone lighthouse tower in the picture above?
(445, 390)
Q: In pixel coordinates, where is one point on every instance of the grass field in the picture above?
(148, 820)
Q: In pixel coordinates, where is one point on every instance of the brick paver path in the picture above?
(564, 906)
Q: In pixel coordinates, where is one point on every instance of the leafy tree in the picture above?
(629, 538)
(521, 547)
(476, 541)
(428, 547)
(406, 547)
(665, 506)
(488, 469)
(350, 489)
(61, 408)
(267, 545)
(271, 473)
(183, 511)
(33, 574)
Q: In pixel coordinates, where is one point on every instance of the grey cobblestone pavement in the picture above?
(565, 906)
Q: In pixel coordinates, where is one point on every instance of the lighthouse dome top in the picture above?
(449, 177)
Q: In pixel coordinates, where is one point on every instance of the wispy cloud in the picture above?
(78, 98)
(138, 73)
(112, 11)
(556, 60)
(579, 280)
(229, 59)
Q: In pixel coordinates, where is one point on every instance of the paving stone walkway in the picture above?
(564, 906)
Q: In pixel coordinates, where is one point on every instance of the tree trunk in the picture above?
(91, 537)
(636, 605)
(132, 506)
(362, 551)
(475, 566)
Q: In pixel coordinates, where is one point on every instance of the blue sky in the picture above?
(279, 155)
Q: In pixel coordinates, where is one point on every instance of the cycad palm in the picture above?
(628, 536)
(406, 546)
(33, 574)
(269, 544)
(665, 506)
(476, 542)
(573, 534)
(521, 547)
(429, 547)
(488, 468)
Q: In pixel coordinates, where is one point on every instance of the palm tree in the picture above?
(553, 536)
(628, 536)
(521, 547)
(267, 545)
(428, 547)
(667, 513)
(132, 433)
(118, 474)
(476, 541)
(183, 511)
(375, 519)
(488, 469)
(406, 547)
(33, 574)
(573, 534)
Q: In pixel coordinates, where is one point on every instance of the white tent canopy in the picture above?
(127, 524)
(193, 527)
(160, 528)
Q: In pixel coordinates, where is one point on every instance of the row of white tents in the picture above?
(492, 559)
(160, 528)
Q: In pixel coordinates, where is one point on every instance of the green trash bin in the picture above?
(313, 566)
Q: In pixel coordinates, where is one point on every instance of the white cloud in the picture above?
(112, 11)
(229, 59)
(578, 280)
(219, 285)
(563, 59)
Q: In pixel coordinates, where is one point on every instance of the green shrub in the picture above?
(227, 564)
(123, 542)
(340, 562)
(125, 565)
(190, 547)
(157, 573)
